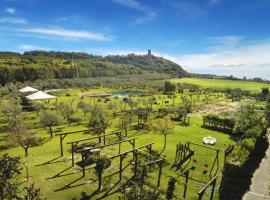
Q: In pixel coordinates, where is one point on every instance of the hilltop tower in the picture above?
(149, 52)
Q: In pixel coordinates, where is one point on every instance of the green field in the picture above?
(215, 83)
(44, 174)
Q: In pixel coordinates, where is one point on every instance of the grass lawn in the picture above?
(54, 187)
(53, 177)
(215, 83)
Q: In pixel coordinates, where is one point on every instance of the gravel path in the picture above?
(259, 189)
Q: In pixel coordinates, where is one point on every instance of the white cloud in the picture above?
(13, 20)
(149, 17)
(10, 10)
(131, 4)
(228, 41)
(256, 54)
(28, 47)
(67, 33)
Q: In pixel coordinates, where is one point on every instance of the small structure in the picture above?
(39, 96)
(149, 52)
(28, 90)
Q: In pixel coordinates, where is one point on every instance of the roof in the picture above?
(28, 89)
(40, 96)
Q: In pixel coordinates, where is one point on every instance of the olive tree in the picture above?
(37, 106)
(66, 111)
(113, 106)
(49, 119)
(23, 137)
(11, 109)
(101, 164)
(98, 120)
(163, 126)
(267, 114)
(85, 107)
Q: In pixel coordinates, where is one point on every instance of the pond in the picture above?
(126, 94)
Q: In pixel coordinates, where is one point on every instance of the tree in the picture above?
(98, 121)
(186, 104)
(162, 98)
(32, 193)
(132, 103)
(151, 101)
(125, 122)
(9, 187)
(49, 119)
(11, 109)
(173, 97)
(101, 164)
(248, 118)
(169, 87)
(265, 91)
(66, 111)
(113, 107)
(22, 136)
(71, 101)
(267, 114)
(9, 169)
(37, 106)
(85, 107)
(163, 126)
(250, 125)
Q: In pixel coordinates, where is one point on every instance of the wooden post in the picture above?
(135, 163)
(61, 145)
(186, 184)
(150, 152)
(159, 173)
(200, 196)
(104, 138)
(99, 138)
(213, 189)
(83, 163)
(120, 167)
(72, 153)
(133, 146)
(119, 148)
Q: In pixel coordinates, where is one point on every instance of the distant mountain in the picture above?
(48, 65)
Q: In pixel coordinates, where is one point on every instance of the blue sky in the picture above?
(204, 36)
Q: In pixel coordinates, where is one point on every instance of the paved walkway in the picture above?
(259, 189)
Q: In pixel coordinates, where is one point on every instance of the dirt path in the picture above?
(216, 108)
(260, 182)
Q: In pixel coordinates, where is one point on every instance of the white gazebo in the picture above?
(40, 96)
(28, 89)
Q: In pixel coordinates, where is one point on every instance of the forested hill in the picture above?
(57, 65)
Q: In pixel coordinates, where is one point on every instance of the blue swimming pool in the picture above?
(125, 94)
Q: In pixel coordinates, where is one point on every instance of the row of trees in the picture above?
(217, 122)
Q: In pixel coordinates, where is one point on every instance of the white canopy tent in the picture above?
(40, 96)
(28, 89)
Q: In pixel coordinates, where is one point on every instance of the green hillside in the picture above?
(35, 65)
